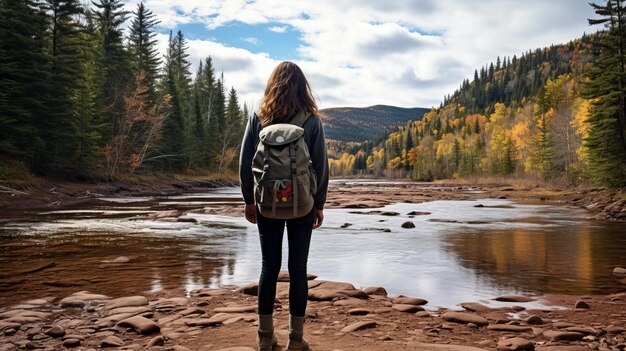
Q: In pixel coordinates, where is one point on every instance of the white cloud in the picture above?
(252, 40)
(405, 53)
(278, 29)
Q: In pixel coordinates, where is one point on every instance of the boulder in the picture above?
(558, 335)
(375, 290)
(403, 307)
(476, 307)
(128, 301)
(514, 298)
(328, 290)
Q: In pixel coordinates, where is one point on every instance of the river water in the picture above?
(459, 252)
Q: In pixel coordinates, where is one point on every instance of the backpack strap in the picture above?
(294, 176)
(300, 118)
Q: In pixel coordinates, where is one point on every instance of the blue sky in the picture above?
(365, 52)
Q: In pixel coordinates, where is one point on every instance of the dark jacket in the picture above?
(314, 135)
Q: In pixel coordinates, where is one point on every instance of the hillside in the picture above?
(361, 124)
(521, 116)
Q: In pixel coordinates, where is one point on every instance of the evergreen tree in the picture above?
(113, 60)
(59, 150)
(606, 142)
(142, 46)
(24, 79)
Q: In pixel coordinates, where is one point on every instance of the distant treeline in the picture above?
(79, 97)
(555, 113)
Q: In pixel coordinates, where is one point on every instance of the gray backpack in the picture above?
(284, 179)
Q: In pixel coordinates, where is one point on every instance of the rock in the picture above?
(514, 298)
(359, 326)
(418, 213)
(128, 301)
(422, 314)
(516, 344)
(582, 304)
(236, 348)
(562, 348)
(249, 289)
(209, 292)
(156, 341)
(414, 345)
(140, 325)
(479, 205)
(131, 311)
(409, 301)
(534, 320)
(329, 290)
(283, 276)
(345, 225)
(71, 343)
(487, 343)
(236, 309)
(121, 259)
(375, 290)
(206, 322)
(347, 302)
(583, 329)
(557, 335)
(619, 272)
(56, 331)
(79, 299)
(614, 329)
(403, 307)
(476, 307)
(408, 225)
(111, 341)
(461, 317)
(509, 328)
(165, 214)
(359, 311)
(562, 325)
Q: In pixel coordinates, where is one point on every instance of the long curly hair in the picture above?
(287, 92)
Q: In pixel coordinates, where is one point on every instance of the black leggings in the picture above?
(299, 237)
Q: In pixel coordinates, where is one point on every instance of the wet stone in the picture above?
(409, 301)
(514, 298)
(461, 317)
(403, 307)
(140, 325)
(71, 343)
(516, 344)
(375, 290)
(359, 326)
(111, 341)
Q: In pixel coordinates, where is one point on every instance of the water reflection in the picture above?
(459, 252)
(574, 259)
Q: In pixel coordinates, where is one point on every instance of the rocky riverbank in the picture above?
(602, 203)
(339, 317)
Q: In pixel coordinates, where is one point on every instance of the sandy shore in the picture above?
(339, 317)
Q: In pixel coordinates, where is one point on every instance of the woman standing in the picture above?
(287, 99)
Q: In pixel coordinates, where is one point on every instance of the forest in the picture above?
(557, 113)
(82, 96)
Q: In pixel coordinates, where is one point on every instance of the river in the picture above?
(460, 251)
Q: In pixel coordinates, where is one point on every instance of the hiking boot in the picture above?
(297, 344)
(266, 341)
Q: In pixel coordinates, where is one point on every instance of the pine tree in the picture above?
(142, 47)
(113, 60)
(58, 131)
(24, 77)
(606, 142)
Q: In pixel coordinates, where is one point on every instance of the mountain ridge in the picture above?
(367, 123)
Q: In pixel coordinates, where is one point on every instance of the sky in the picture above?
(365, 52)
